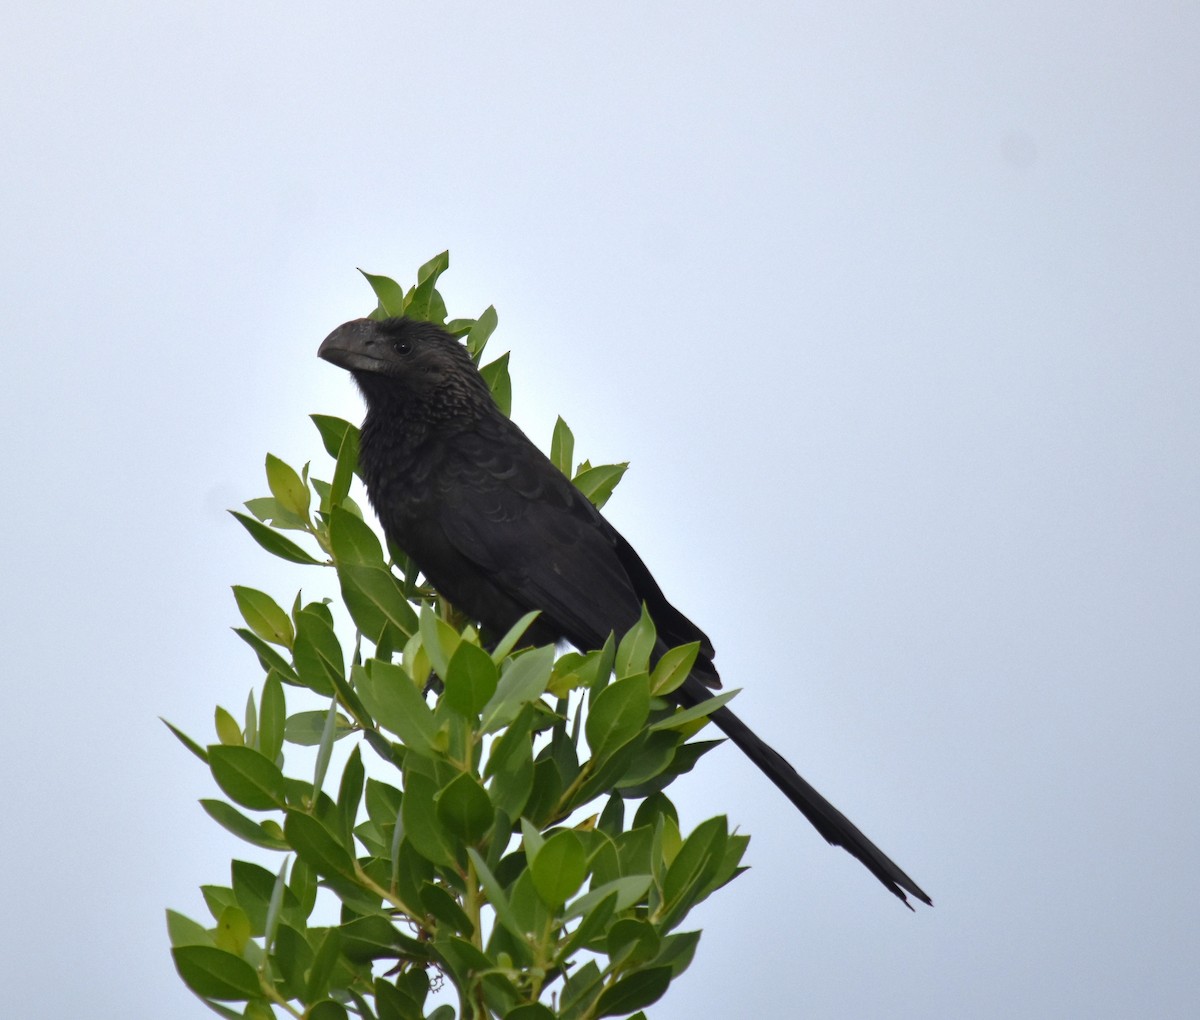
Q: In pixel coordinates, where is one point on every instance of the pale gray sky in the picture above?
(896, 313)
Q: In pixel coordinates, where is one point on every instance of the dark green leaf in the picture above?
(634, 991)
(530, 1011)
(326, 1009)
(274, 542)
(246, 776)
(216, 974)
(443, 906)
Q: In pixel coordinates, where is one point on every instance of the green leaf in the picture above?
(634, 992)
(287, 487)
(422, 303)
(617, 714)
(263, 615)
(443, 906)
(559, 868)
(464, 807)
(696, 861)
(187, 741)
(350, 794)
(510, 764)
(673, 668)
(327, 1009)
(353, 540)
(629, 890)
(439, 640)
(523, 681)
(232, 931)
(471, 679)
(496, 896)
(389, 294)
(306, 728)
(507, 643)
(228, 730)
(343, 472)
(268, 658)
(478, 336)
(597, 483)
(246, 776)
(375, 598)
(272, 718)
(274, 542)
(531, 1011)
(269, 510)
(317, 846)
(680, 720)
(333, 432)
(183, 931)
(216, 974)
(317, 653)
(632, 942)
(243, 827)
(495, 374)
(562, 447)
(393, 699)
(633, 653)
(422, 827)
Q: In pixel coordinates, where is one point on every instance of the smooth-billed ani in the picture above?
(499, 530)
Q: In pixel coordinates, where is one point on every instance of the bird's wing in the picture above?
(506, 508)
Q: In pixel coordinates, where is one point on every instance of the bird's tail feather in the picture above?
(825, 818)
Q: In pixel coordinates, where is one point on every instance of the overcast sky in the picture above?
(895, 311)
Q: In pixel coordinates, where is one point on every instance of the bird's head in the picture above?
(415, 363)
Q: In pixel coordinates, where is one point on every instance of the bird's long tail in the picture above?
(826, 819)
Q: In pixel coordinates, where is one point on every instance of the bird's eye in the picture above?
(402, 346)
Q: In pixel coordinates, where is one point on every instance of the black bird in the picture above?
(499, 530)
